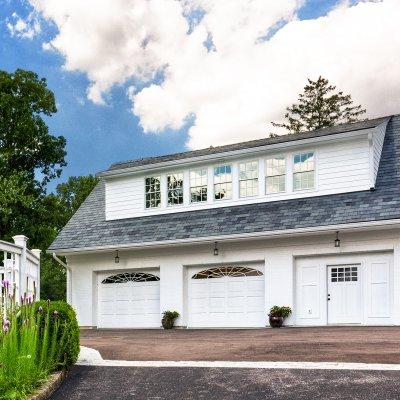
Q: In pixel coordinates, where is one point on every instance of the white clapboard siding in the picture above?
(341, 166)
(377, 145)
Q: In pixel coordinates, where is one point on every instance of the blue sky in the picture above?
(97, 135)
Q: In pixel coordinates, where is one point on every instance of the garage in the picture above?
(345, 289)
(129, 300)
(228, 296)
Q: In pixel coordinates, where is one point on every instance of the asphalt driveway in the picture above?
(340, 344)
(120, 383)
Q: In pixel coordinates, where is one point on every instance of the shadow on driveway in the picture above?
(120, 383)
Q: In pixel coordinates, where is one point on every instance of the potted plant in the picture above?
(169, 318)
(277, 314)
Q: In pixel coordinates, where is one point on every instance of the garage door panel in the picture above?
(123, 306)
(153, 306)
(235, 300)
(129, 304)
(216, 288)
(256, 286)
(236, 286)
(199, 289)
(107, 293)
(123, 292)
(107, 307)
(217, 304)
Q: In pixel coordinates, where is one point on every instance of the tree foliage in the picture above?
(73, 193)
(28, 150)
(320, 106)
(25, 141)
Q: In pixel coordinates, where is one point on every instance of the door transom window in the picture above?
(220, 272)
(131, 277)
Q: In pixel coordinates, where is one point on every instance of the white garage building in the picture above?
(311, 221)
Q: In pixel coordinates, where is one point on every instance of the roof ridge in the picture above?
(340, 128)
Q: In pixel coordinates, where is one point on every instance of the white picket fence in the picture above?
(20, 267)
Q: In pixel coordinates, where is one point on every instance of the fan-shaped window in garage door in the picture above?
(220, 272)
(131, 277)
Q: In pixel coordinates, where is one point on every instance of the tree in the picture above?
(73, 193)
(25, 141)
(60, 206)
(320, 106)
(27, 149)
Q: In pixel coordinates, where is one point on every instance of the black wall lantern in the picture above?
(116, 259)
(216, 249)
(337, 240)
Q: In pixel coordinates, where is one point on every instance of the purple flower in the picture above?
(6, 325)
(5, 283)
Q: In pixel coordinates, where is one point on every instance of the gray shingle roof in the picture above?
(88, 228)
(250, 144)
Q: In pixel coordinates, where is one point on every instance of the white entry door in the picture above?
(129, 300)
(344, 294)
(227, 297)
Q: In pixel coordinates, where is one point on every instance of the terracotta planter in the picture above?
(167, 323)
(275, 322)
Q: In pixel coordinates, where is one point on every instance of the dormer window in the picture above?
(223, 182)
(175, 189)
(153, 192)
(248, 179)
(275, 174)
(198, 185)
(303, 171)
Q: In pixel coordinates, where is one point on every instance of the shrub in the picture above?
(171, 314)
(69, 328)
(169, 318)
(277, 311)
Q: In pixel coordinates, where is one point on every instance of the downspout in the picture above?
(69, 273)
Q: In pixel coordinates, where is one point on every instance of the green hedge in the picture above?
(67, 317)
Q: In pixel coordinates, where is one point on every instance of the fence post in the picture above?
(21, 240)
(36, 252)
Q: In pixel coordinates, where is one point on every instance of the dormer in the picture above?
(333, 160)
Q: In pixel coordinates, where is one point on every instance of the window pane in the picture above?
(175, 189)
(153, 192)
(304, 176)
(198, 185)
(276, 174)
(248, 179)
(276, 184)
(223, 182)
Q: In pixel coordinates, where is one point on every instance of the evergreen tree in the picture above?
(320, 106)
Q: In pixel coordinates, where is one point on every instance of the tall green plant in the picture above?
(30, 345)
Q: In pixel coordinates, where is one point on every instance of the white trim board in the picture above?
(91, 357)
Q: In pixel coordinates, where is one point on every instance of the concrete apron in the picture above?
(92, 357)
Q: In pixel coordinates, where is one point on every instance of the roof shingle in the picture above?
(88, 227)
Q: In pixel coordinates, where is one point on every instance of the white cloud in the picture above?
(244, 81)
(23, 28)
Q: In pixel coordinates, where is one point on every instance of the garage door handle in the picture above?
(329, 296)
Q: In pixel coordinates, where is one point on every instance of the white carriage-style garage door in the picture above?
(229, 296)
(345, 289)
(129, 300)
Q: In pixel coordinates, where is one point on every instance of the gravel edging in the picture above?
(49, 387)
